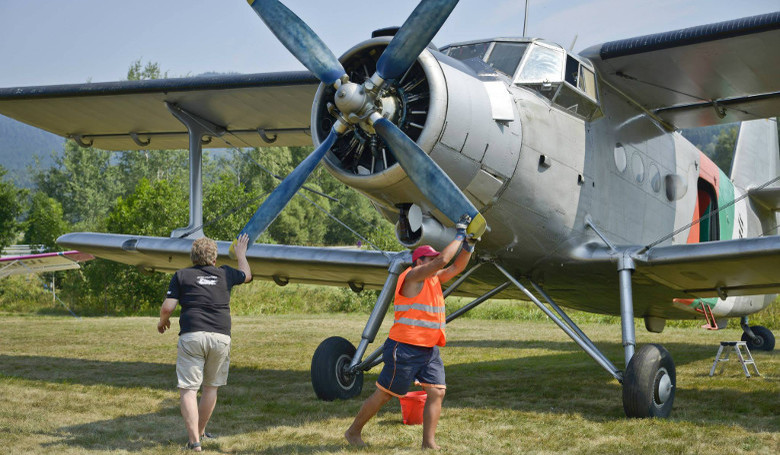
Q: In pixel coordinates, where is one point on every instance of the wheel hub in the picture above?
(663, 387)
(344, 377)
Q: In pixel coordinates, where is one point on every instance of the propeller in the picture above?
(281, 195)
(432, 181)
(413, 36)
(299, 39)
(356, 104)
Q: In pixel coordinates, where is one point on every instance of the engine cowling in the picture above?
(444, 106)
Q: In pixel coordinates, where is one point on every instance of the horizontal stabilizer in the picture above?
(769, 198)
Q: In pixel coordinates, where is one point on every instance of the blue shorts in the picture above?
(406, 363)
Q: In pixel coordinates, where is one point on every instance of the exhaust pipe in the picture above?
(414, 229)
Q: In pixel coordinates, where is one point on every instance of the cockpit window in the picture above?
(587, 82)
(542, 64)
(468, 51)
(506, 56)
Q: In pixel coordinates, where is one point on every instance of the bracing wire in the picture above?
(708, 215)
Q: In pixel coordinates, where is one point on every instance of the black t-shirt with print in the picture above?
(203, 291)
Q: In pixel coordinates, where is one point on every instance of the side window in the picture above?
(587, 82)
(572, 74)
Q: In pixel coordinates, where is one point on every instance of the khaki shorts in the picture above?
(204, 358)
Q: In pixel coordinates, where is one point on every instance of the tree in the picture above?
(85, 182)
(723, 153)
(11, 199)
(151, 70)
(153, 209)
(45, 222)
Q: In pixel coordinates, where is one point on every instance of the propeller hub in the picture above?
(390, 108)
(352, 99)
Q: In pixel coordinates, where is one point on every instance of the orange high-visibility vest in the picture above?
(419, 320)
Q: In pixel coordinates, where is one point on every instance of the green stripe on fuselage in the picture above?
(726, 215)
(709, 301)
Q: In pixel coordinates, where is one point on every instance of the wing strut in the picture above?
(196, 128)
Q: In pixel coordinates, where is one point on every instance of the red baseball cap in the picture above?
(424, 251)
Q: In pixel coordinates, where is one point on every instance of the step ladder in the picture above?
(736, 345)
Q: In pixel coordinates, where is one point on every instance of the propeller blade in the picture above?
(418, 30)
(281, 195)
(434, 183)
(299, 39)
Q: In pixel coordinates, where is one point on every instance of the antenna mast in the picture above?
(525, 18)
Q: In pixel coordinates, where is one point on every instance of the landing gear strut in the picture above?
(650, 379)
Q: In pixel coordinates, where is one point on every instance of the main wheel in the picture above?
(329, 375)
(649, 383)
(764, 341)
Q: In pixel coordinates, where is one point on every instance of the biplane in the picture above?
(570, 168)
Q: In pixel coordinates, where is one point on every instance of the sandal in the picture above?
(207, 435)
(193, 446)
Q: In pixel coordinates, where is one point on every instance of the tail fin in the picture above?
(757, 157)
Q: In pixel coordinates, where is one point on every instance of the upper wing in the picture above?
(45, 262)
(280, 263)
(125, 115)
(717, 73)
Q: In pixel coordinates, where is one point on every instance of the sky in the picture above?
(47, 42)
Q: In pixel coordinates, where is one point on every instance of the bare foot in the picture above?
(432, 446)
(354, 439)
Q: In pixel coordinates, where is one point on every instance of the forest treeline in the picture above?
(146, 193)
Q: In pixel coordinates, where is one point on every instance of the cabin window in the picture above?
(468, 51)
(620, 157)
(506, 56)
(655, 178)
(638, 167)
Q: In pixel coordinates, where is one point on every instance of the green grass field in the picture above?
(107, 385)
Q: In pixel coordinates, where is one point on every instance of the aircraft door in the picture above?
(706, 205)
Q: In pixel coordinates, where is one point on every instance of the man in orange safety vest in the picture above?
(411, 352)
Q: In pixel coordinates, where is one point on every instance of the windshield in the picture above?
(506, 56)
(544, 64)
(468, 51)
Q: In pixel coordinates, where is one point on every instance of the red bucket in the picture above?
(412, 405)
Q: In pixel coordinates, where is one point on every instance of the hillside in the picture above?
(21, 144)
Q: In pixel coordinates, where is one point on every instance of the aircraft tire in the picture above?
(765, 339)
(649, 383)
(328, 365)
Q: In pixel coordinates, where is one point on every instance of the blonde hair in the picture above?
(204, 251)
